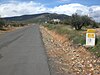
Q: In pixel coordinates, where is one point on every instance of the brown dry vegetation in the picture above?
(69, 59)
(98, 31)
(9, 29)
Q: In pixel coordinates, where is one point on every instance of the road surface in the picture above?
(22, 53)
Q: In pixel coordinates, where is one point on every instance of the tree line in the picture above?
(77, 22)
(4, 23)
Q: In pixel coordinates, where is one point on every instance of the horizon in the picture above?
(33, 14)
(11, 8)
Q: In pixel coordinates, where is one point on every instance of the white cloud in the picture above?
(16, 9)
(95, 13)
(69, 9)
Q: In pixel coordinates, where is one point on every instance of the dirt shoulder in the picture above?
(5, 30)
(66, 59)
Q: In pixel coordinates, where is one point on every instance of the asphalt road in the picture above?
(22, 53)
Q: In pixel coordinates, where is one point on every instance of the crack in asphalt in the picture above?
(9, 42)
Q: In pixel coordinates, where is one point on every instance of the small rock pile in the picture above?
(67, 58)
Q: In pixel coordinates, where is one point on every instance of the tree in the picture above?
(78, 21)
(2, 23)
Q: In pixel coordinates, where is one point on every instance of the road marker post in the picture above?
(90, 37)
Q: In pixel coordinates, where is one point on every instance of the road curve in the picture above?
(22, 53)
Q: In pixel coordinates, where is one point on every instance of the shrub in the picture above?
(77, 36)
(96, 49)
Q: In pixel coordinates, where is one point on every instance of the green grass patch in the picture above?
(96, 49)
(78, 37)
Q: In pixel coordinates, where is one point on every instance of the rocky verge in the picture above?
(67, 59)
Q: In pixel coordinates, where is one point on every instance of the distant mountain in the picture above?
(38, 17)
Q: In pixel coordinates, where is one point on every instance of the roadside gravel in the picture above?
(66, 59)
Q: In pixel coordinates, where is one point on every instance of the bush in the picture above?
(63, 30)
(79, 40)
(2, 23)
(78, 21)
(96, 49)
(77, 36)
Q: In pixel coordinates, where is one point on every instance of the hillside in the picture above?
(38, 17)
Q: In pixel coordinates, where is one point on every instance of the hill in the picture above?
(38, 17)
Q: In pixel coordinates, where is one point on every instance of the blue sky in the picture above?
(9, 8)
(53, 3)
